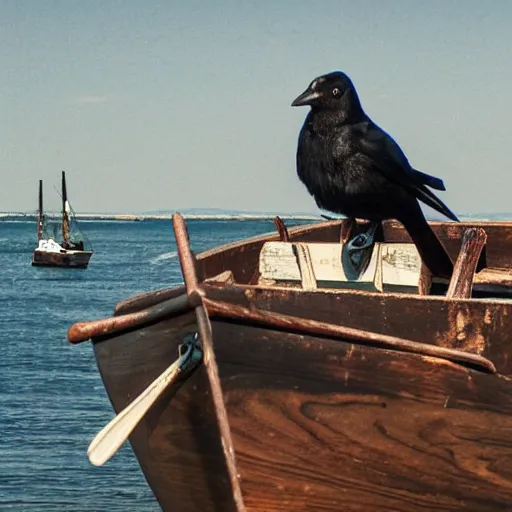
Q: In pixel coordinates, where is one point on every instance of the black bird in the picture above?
(353, 167)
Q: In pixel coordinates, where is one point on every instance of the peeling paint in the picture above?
(467, 329)
(488, 316)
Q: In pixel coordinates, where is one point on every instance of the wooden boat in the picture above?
(316, 398)
(70, 253)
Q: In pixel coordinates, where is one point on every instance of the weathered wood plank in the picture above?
(147, 300)
(477, 326)
(289, 323)
(461, 283)
(391, 267)
(326, 426)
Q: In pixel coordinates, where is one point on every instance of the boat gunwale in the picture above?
(295, 231)
(146, 317)
(280, 290)
(306, 228)
(370, 293)
(269, 236)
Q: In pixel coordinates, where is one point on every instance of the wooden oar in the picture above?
(108, 441)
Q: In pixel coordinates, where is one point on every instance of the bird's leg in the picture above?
(358, 251)
(347, 228)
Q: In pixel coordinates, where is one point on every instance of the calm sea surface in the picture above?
(52, 400)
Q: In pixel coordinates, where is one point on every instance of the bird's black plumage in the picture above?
(353, 167)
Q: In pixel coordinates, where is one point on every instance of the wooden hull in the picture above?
(67, 259)
(316, 424)
(324, 420)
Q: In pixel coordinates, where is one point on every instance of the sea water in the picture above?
(52, 400)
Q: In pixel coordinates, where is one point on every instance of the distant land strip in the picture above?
(223, 215)
(162, 216)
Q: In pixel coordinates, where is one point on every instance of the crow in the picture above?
(353, 167)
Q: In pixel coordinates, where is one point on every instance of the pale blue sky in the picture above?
(176, 104)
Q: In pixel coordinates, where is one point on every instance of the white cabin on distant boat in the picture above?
(49, 245)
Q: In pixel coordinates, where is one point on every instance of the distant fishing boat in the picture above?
(70, 252)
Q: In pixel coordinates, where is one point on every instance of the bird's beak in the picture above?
(305, 98)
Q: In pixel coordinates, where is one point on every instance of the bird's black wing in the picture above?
(387, 156)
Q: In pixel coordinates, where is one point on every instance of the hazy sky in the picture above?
(176, 104)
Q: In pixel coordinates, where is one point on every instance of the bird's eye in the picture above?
(336, 92)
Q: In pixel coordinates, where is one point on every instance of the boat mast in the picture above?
(65, 211)
(40, 213)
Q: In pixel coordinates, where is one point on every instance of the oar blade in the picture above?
(111, 437)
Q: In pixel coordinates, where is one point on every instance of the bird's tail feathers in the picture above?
(431, 250)
(430, 181)
(426, 196)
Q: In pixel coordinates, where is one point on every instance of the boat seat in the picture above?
(392, 267)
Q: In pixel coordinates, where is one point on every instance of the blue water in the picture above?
(52, 401)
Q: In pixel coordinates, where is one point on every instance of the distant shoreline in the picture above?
(134, 217)
(162, 216)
